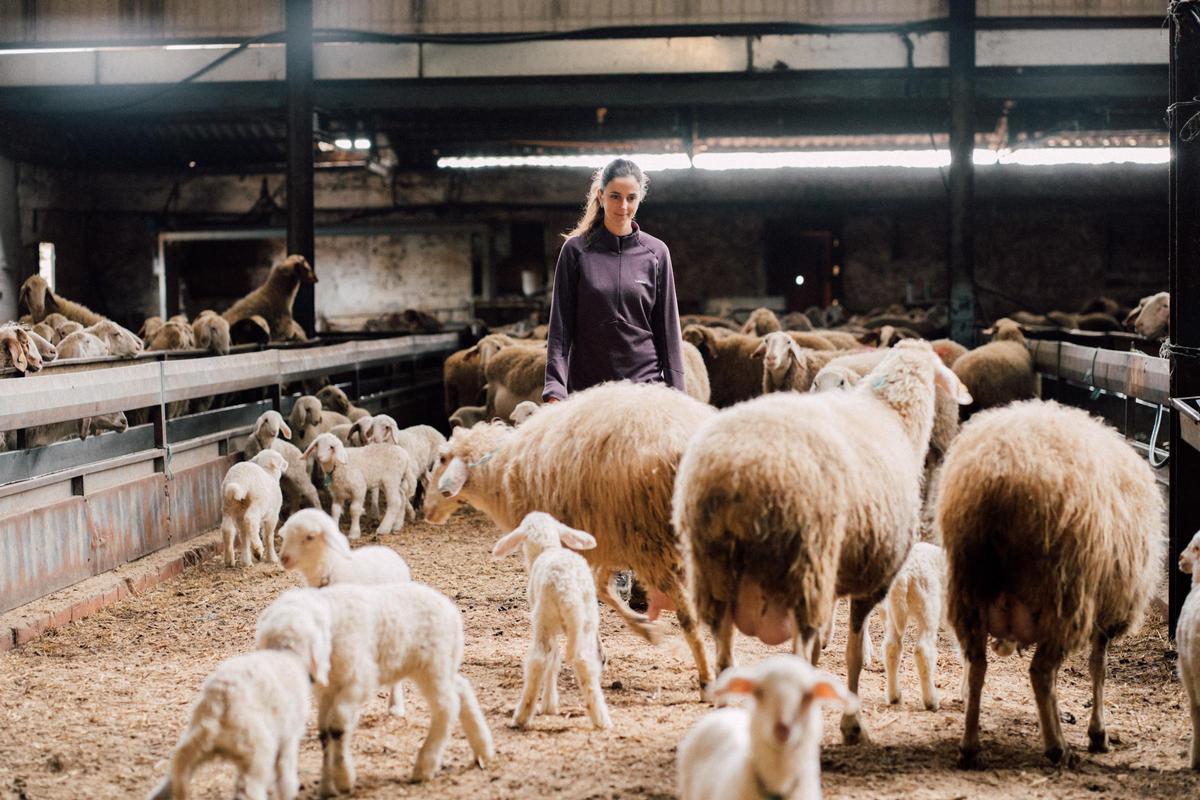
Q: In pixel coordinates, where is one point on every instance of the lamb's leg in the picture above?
(587, 672)
(541, 651)
(893, 647)
(269, 538)
(337, 717)
(396, 700)
(549, 695)
(1043, 674)
(638, 623)
(926, 657)
(287, 770)
(356, 511)
(685, 613)
(1097, 665)
(191, 751)
(1196, 733)
(441, 694)
(393, 520)
(860, 607)
(335, 509)
(228, 537)
(259, 775)
(375, 501)
(470, 716)
(975, 653)
(247, 533)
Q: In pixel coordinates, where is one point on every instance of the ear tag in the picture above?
(879, 382)
(326, 479)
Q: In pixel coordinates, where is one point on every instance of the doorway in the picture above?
(799, 264)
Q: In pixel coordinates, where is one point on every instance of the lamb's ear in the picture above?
(944, 377)
(284, 429)
(575, 538)
(732, 681)
(830, 690)
(761, 350)
(339, 452)
(509, 543)
(335, 539)
(389, 434)
(16, 354)
(308, 451)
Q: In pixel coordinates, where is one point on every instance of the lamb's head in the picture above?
(298, 622)
(306, 413)
(464, 463)
(57, 320)
(907, 379)
(703, 339)
(66, 327)
(150, 327)
(1189, 559)
(308, 536)
(272, 462)
(172, 335)
(89, 426)
(778, 352)
(295, 268)
(268, 426)
(46, 331)
(36, 298)
(523, 411)
(21, 351)
(380, 429)
(833, 377)
(334, 399)
(46, 350)
(211, 332)
(121, 342)
(785, 720)
(328, 451)
(1154, 319)
(539, 532)
(250, 330)
(1006, 330)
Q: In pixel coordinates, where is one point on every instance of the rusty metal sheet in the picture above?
(196, 498)
(42, 551)
(128, 521)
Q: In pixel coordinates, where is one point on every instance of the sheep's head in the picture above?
(306, 413)
(172, 335)
(334, 399)
(307, 536)
(524, 410)
(211, 332)
(36, 298)
(46, 331)
(703, 339)
(1189, 559)
(22, 353)
(761, 322)
(67, 327)
(269, 425)
(469, 452)
(787, 694)
(1006, 330)
(298, 268)
(121, 342)
(778, 352)
(45, 349)
(1154, 319)
(273, 462)
(150, 327)
(382, 429)
(833, 377)
(539, 532)
(89, 426)
(487, 347)
(328, 451)
(298, 622)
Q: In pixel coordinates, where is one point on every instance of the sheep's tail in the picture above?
(236, 493)
(474, 725)
(638, 623)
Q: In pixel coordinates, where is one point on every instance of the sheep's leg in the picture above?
(638, 623)
(723, 633)
(396, 700)
(549, 701)
(287, 769)
(228, 536)
(807, 644)
(869, 661)
(587, 672)
(975, 652)
(860, 607)
(356, 511)
(1097, 665)
(828, 631)
(258, 775)
(685, 613)
(375, 501)
(1196, 733)
(541, 652)
(926, 657)
(191, 751)
(393, 520)
(470, 716)
(335, 509)
(336, 720)
(1043, 674)
(893, 647)
(868, 645)
(269, 538)
(442, 696)
(246, 531)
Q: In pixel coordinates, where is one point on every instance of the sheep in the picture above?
(761, 322)
(422, 443)
(788, 367)
(468, 416)
(355, 470)
(82, 345)
(1152, 317)
(1052, 526)
(1187, 641)
(841, 340)
(846, 370)
(462, 381)
(150, 327)
(772, 750)
(527, 408)
(562, 600)
(43, 435)
(695, 374)
(273, 300)
(121, 342)
(38, 299)
(296, 483)
(801, 321)
(308, 419)
(18, 346)
(251, 710)
(45, 347)
(334, 399)
(210, 331)
(603, 461)
(251, 501)
(733, 374)
(362, 637)
(1001, 371)
(917, 593)
(250, 330)
(948, 350)
(46, 332)
(512, 375)
(708, 321)
(790, 500)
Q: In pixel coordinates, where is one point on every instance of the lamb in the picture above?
(273, 300)
(761, 322)
(18, 346)
(46, 332)
(43, 435)
(37, 298)
(527, 408)
(733, 373)
(846, 370)
(916, 593)
(772, 750)
(512, 375)
(604, 461)
(562, 600)
(150, 327)
(468, 416)
(334, 399)
(251, 500)
(211, 332)
(121, 342)
(1152, 317)
(1001, 371)
(791, 500)
(252, 710)
(422, 442)
(82, 345)
(362, 637)
(45, 347)
(296, 483)
(1052, 526)
(357, 469)
(787, 367)
(1187, 640)
(307, 420)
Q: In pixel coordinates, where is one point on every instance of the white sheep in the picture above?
(524, 410)
(82, 345)
(562, 600)
(423, 443)
(1187, 640)
(297, 485)
(252, 710)
(308, 419)
(251, 500)
(788, 367)
(121, 342)
(355, 470)
(314, 547)
(772, 750)
(362, 637)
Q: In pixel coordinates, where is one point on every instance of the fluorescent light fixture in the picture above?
(651, 162)
(344, 144)
(324, 146)
(226, 46)
(362, 143)
(1054, 156)
(33, 51)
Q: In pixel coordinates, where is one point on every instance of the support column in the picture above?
(10, 241)
(961, 255)
(300, 151)
(1183, 255)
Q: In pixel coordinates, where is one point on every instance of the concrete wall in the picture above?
(9, 240)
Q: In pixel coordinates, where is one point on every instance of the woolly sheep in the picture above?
(790, 500)
(308, 419)
(603, 461)
(274, 299)
(514, 374)
(695, 374)
(772, 750)
(211, 332)
(761, 322)
(841, 340)
(1052, 526)
(422, 442)
(524, 410)
(150, 327)
(172, 335)
(562, 600)
(1187, 640)
(43, 435)
(788, 367)
(121, 342)
(364, 637)
(82, 345)
(296, 483)
(334, 399)
(917, 594)
(1152, 317)
(948, 350)
(252, 710)
(1001, 371)
(462, 373)
(355, 470)
(732, 372)
(251, 500)
(37, 298)
(19, 348)
(46, 332)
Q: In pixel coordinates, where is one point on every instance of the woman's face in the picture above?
(620, 200)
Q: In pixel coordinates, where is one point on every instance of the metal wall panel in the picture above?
(195, 498)
(128, 521)
(43, 550)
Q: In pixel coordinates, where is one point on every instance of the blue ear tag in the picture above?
(327, 480)
(879, 383)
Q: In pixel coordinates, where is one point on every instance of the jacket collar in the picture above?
(606, 239)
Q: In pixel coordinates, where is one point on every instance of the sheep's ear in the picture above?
(509, 543)
(16, 354)
(944, 377)
(308, 451)
(51, 302)
(389, 434)
(335, 539)
(472, 354)
(989, 331)
(453, 479)
(284, 429)
(830, 690)
(340, 453)
(281, 462)
(796, 351)
(576, 539)
(761, 350)
(732, 682)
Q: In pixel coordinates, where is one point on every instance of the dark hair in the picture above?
(593, 210)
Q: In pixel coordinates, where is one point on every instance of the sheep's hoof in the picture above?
(895, 701)
(852, 732)
(969, 758)
(933, 705)
(1062, 756)
(1098, 742)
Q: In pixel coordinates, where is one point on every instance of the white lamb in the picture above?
(362, 637)
(1187, 639)
(251, 500)
(252, 710)
(314, 547)
(562, 600)
(772, 750)
(423, 443)
(355, 470)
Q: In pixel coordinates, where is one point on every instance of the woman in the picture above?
(613, 315)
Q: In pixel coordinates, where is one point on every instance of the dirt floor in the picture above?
(92, 710)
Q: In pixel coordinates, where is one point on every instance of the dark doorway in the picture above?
(214, 273)
(799, 264)
(527, 253)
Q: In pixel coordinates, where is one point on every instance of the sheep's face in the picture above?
(834, 379)
(36, 298)
(1189, 559)
(89, 426)
(299, 268)
(211, 332)
(120, 341)
(270, 424)
(1155, 318)
(45, 349)
(384, 430)
(22, 354)
(274, 463)
(44, 330)
(307, 535)
(172, 336)
(453, 471)
(334, 399)
(306, 413)
(150, 327)
(778, 352)
(328, 450)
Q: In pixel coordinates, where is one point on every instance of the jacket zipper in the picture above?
(620, 261)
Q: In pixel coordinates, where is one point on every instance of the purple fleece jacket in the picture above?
(614, 315)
